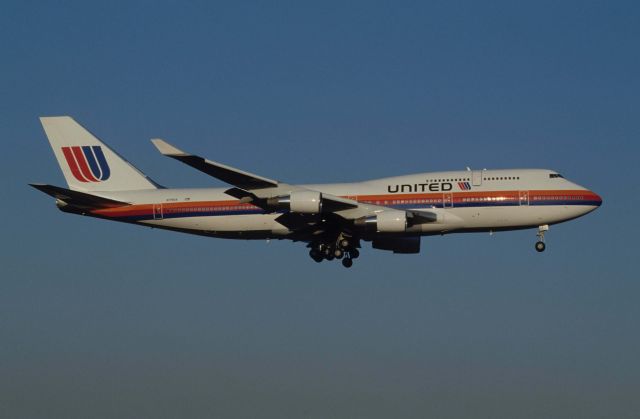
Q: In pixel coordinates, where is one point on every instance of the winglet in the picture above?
(166, 148)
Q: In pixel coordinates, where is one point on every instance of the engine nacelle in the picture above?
(306, 202)
(391, 221)
(303, 202)
(397, 244)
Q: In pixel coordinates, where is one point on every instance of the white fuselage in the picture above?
(463, 201)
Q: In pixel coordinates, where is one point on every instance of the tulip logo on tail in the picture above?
(87, 163)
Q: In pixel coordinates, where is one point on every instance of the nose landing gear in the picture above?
(540, 246)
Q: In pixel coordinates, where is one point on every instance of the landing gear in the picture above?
(316, 255)
(343, 247)
(540, 246)
(347, 262)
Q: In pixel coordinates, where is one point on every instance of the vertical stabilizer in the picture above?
(87, 163)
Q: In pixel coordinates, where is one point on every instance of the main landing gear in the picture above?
(540, 246)
(344, 248)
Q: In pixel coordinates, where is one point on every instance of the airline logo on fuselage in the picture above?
(465, 186)
(87, 163)
(420, 187)
(427, 187)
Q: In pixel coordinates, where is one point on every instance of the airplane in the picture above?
(333, 220)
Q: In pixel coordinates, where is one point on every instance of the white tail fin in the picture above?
(87, 163)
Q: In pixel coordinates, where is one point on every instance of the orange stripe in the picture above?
(142, 209)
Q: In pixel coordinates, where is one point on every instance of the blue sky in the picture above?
(107, 320)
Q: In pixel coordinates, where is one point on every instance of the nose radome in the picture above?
(595, 198)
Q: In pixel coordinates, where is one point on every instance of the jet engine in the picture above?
(303, 202)
(391, 221)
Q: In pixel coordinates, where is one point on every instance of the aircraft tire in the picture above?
(316, 255)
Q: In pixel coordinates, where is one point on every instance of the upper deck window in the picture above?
(555, 175)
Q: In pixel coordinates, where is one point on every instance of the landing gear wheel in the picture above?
(354, 253)
(540, 246)
(316, 255)
(344, 243)
(338, 253)
(347, 262)
(328, 253)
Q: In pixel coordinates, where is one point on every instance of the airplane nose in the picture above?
(595, 199)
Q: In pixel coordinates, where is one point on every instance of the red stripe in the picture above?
(82, 161)
(507, 196)
(71, 161)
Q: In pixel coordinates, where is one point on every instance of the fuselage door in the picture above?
(477, 177)
(157, 211)
(447, 200)
(524, 197)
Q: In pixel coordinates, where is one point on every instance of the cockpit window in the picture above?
(555, 175)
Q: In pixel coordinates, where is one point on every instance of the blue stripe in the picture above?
(149, 217)
(106, 172)
(86, 150)
(209, 213)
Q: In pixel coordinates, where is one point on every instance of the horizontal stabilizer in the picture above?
(228, 174)
(77, 199)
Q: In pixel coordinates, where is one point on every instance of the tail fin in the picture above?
(87, 163)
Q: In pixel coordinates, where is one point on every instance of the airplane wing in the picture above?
(248, 187)
(238, 178)
(297, 201)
